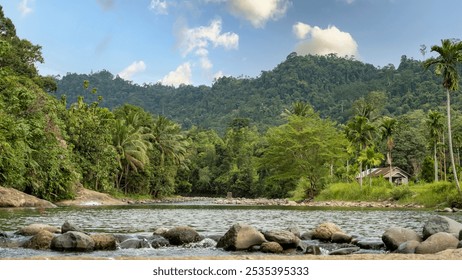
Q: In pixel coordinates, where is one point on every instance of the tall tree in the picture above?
(434, 123)
(387, 129)
(449, 57)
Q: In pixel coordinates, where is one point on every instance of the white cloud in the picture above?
(159, 7)
(258, 12)
(24, 7)
(218, 75)
(327, 41)
(132, 69)
(200, 38)
(301, 29)
(182, 75)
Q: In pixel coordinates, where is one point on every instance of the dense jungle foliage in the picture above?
(311, 121)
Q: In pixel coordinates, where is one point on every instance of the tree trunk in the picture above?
(435, 162)
(451, 153)
(390, 178)
(360, 176)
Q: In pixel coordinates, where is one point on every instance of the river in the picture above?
(208, 219)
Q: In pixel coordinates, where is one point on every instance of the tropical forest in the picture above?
(308, 129)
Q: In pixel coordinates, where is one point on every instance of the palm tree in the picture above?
(371, 158)
(387, 128)
(299, 108)
(359, 131)
(435, 125)
(132, 146)
(450, 55)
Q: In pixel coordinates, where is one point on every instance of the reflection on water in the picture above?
(209, 220)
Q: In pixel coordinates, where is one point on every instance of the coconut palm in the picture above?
(435, 127)
(299, 108)
(387, 128)
(132, 146)
(449, 56)
(360, 133)
(371, 158)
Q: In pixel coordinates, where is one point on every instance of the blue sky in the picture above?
(193, 42)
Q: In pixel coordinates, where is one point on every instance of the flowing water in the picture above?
(207, 219)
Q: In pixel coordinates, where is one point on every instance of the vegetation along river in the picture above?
(207, 219)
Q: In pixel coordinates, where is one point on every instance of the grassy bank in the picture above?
(432, 195)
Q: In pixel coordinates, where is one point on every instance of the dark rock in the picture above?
(158, 242)
(324, 231)
(394, 236)
(344, 251)
(436, 243)
(370, 244)
(40, 241)
(240, 237)
(104, 241)
(135, 243)
(340, 237)
(67, 226)
(284, 237)
(33, 229)
(3, 234)
(441, 224)
(182, 235)
(271, 247)
(460, 245)
(460, 234)
(407, 247)
(73, 241)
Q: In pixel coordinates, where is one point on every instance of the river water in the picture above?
(207, 219)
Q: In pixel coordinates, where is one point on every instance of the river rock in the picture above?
(158, 241)
(104, 241)
(441, 224)
(240, 237)
(460, 245)
(204, 243)
(160, 231)
(40, 241)
(394, 236)
(295, 230)
(73, 241)
(324, 231)
(182, 235)
(3, 234)
(309, 249)
(271, 247)
(344, 251)
(340, 237)
(436, 243)
(135, 243)
(33, 229)
(67, 226)
(407, 247)
(370, 244)
(284, 237)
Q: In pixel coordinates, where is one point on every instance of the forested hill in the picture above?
(329, 83)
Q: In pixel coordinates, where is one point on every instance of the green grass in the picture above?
(431, 195)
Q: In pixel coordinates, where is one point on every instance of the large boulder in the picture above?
(104, 241)
(33, 229)
(394, 236)
(437, 242)
(73, 241)
(285, 238)
(325, 231)
(182, 235)
(441, 224)
(241, 237)
(158, 241)
(40, 241)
